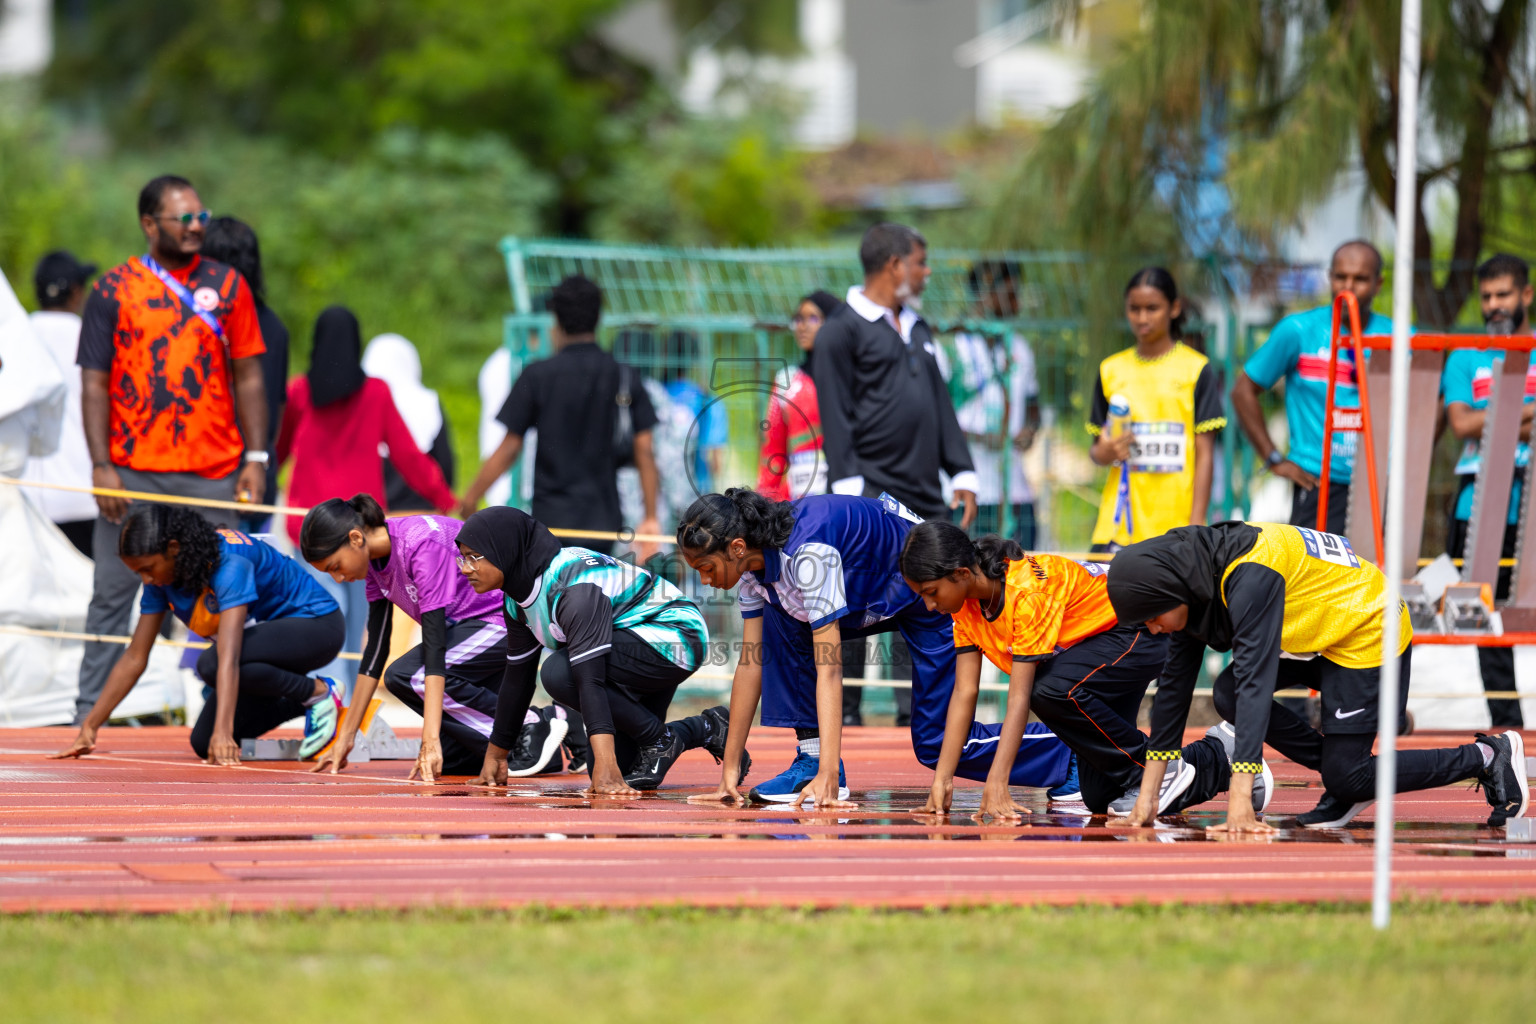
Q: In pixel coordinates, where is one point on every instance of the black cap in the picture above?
(56, 274)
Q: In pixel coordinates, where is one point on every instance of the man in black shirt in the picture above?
(573, 400)
(886, 414)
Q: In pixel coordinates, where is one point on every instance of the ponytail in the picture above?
(935, 550)
(148, 529)
(328, 525)
(715, 520)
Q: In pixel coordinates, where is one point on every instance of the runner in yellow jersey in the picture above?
(1264, 592)
(1162, 458)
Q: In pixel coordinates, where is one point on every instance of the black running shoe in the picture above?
(1504, 782)
(1331, 812)
(653, 762)
(719, 719)
(538, 748)
(579, 759)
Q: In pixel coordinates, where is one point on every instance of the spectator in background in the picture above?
(1504, 292)
(1163, 458)
(233, 242)
(636, 348)
(573, 399)
(394, 360)
(1297, 350)
(791, 465)
(996, 400)
(887, 419)
(705, 418)
(170, 349)
(336, 419)
(61, 281)
(494, 385)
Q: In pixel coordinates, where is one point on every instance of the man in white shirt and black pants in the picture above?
(60, 280)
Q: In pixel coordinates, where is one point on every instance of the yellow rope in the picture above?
(622, 536)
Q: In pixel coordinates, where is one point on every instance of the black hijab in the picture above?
(1183, 566)
(336, 360)
(828, 304)
(514, 542)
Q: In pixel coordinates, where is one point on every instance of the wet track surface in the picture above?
(142, 826)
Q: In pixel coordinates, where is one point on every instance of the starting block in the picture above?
(376, 741)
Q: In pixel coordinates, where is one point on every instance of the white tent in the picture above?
(45, 583)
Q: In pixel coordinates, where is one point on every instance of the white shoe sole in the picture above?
(1517, 762)
(791, 798)
(1343, 819)
(1183, 777)
(1268, 778)
(558, 727)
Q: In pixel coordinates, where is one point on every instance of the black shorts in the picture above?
(1351, 696)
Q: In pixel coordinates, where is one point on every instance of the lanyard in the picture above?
(180, 291)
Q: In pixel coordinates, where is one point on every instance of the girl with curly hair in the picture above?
(270, 622)
(809, 574)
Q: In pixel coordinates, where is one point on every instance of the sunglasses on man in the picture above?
(186, 219)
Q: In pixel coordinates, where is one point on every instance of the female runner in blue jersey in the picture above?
(623, 639)
(271, 623)
(812, 573)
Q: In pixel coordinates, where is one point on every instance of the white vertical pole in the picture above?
(1402, 315)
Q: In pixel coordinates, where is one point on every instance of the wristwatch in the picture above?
(261, 457)
(1274, 458)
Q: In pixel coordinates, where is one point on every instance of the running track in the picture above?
(140, 826)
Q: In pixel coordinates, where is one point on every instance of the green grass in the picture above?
(1141, 964)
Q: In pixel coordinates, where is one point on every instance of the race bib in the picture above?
(1329, 547)
(1159, 447)
(807, 473)
(896, 508)
(204, 620)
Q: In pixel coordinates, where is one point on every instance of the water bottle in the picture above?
(1119, 415)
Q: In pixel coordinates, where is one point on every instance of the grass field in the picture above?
(1144, 965)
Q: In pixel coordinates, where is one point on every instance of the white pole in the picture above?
(1402, 315)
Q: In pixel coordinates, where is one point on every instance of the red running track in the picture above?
(141, 826)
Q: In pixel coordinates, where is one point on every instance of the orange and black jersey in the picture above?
(1049, 604)
(171, 380)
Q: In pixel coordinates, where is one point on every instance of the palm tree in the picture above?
(1273, 99)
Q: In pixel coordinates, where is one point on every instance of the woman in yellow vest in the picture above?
(1156, 408)
(1264, 592)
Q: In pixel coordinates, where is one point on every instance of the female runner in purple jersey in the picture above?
(452, 678)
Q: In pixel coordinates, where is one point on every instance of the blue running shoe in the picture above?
(1069, 792)
(785, 787)
(320, 721)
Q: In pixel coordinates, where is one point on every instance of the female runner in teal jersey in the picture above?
(623, 641)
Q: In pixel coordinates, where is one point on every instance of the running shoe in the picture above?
(579, 759)
(1331, 812)
(320, 720)
(653, 762)
(785, 787)
(1504, 781)
(1263, 783)
(719, 719)
(538, 747)
(1176, 781)
(1070, 791)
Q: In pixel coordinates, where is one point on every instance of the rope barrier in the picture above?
(621, 536)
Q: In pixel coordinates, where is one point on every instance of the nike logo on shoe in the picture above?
(1339, 713)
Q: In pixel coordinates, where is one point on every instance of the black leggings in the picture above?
(275, 659)
(639, 684)
(1344, 759)
(474, 661)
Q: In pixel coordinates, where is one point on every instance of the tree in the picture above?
(1249, 110)
(328, 76)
